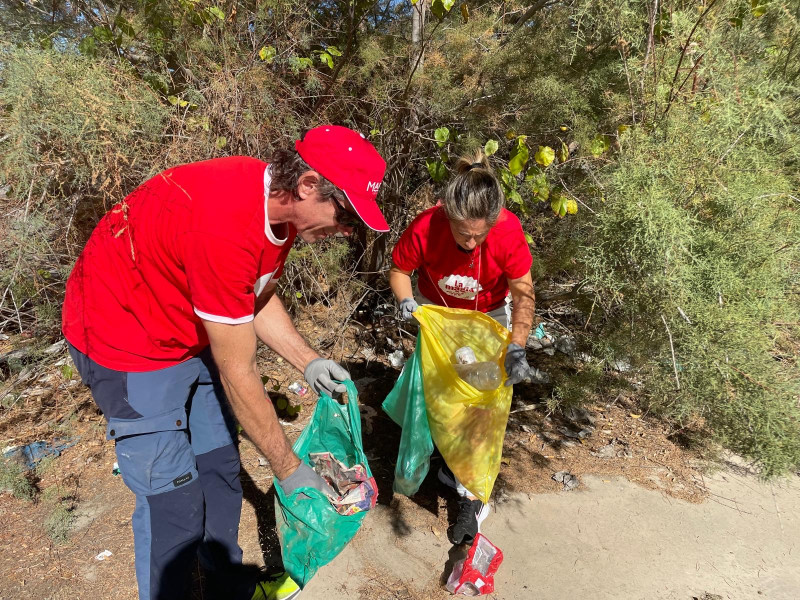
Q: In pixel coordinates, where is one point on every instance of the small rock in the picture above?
(579, 415)
(568, 479)
(262, 462)
(566, 344)
(57, 347)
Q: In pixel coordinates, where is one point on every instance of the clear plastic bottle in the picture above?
(484, 376)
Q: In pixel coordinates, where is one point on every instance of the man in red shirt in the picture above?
(163, 312)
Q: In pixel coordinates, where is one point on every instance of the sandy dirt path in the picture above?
(610, 539)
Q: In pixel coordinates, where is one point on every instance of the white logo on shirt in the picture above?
(373, 186)
(460, 286)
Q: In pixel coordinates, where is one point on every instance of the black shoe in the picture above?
(471, 514)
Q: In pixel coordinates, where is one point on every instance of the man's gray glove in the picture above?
(516, 364)
(407, 306)
(324, 375)
(305, 476)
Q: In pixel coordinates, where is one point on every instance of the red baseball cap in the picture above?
(346, 159)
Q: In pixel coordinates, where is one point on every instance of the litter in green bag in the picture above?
(310, 529)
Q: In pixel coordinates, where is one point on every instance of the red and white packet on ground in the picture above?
(474, 576)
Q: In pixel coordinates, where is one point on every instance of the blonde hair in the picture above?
(474, 192)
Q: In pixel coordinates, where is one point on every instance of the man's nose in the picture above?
(471, 243)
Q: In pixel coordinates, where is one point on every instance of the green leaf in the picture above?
(326, 58)
(281, 403)
(414, 2)
(374, 131)
(334, 51)
(267, 54)
(599, 144)
(491, 147)
(173, 100)
(438, 10)
(519, 159)
(758, 8)
(66, 372)
(88, 46)
(124, 26)
(539, 186)
(217, 12)
(558, 202)
(265, 379)
(222, 141)
(545, 156)
(513, 196)
(563, 153)
(448, 4)
(102, 34)
(529, 238)
(441, 135)
(465, 12)
(437, 170)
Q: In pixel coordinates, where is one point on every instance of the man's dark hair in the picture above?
(286, 166)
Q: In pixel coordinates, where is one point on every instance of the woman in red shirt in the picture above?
(471, 253)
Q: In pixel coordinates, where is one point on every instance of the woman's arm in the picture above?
(400, 282)
(524, 302)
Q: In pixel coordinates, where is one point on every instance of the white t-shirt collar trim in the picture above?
(267, 229)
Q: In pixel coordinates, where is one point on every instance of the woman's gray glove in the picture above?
(407, 306)
(516, 364)
(305, 476)
(324, 375)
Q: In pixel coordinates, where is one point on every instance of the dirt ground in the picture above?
(644, 509)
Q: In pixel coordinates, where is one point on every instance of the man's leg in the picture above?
(147, 419)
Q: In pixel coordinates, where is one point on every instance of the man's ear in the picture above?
(307, 183)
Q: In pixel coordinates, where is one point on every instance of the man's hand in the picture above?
(407, 307)
(516, 364)
(324, 375)
(305, 476)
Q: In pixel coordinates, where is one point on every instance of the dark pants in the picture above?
(174, 437)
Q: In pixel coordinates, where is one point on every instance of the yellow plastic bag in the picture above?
(467, 425)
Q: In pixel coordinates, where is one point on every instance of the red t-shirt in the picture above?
(451, 277)
(192, 242)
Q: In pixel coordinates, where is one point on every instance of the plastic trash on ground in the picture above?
(474, 576)
(298, 388)
(30, 455)
(104, 555)
(396, 358)
(357, 490)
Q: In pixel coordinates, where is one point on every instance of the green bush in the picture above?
(77, 134)
(696, 242)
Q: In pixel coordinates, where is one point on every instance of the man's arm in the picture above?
(524, 302)
(234, 350)
(274, 327)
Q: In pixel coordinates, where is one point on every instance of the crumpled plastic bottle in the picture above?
(484, 376)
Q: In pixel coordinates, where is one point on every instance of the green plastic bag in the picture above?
(311, 532)
(405, 404)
